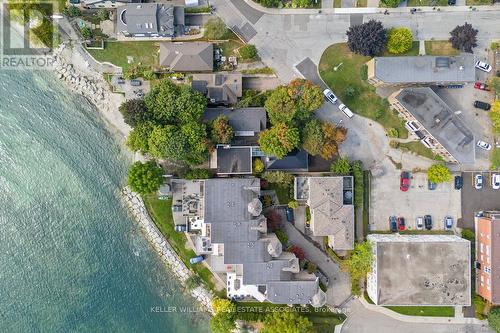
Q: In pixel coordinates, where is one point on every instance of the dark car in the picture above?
(482, 105)
(393, 223)
(289, 214)
(428, 222)
(431, 186)
(452, 2)
(401, 223)
(135, 83)
(459, 182)
(404, 182)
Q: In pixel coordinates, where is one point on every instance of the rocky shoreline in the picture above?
(163, 248)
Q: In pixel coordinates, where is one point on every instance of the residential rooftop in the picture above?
(246, 122)
(187, 56)
(222, 87)
(229, 159)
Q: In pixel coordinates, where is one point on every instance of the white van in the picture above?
(346, 110)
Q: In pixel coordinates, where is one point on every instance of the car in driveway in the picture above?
(478, 181)
(393, 223)
(419, 223)
(495, 181)
(459, 182)
(404, 181)
(401, 223)
(289, 214)
(482, 105)
(431, 186)
(428, 222)
(330, 96)
(483, 145)
(481, 65)
(135, 83)
(448, 223)
(346, 110)
(481, 86)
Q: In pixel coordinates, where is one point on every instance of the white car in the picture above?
(495, 181)
(448, 223)
(478, 181)
(483, 66)
(346, 110)
(330, 95)
(419, 223)
(483, 145)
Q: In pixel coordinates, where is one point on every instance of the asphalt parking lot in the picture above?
(387, 199)
(476, 200)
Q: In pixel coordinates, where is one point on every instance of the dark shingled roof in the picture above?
(187, 56)
(234, 160)
(296, 160)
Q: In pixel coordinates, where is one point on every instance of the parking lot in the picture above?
(131, 92)
(387, 199)
(476, 200)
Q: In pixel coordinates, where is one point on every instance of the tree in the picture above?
(495, 116)
(257, 166)
(439, 173)
(399, 40)
(293, 204)
(298, 251)
(307, 95)
(197, 174)
(273, 219)
(248, 52)
(196, 136)
(145, 178)
(103, 14)
(330, 146)
(494, 82)
(72, 11)
(368, 39)
(222, 132)
(360, 261)
(168, 142)
(286, 322)
(134, 112)
(281, 178)
(223, 305)
(390, 3)
(341, 167)
(225, 312)
(313, 138)
(279, 140)
(463, 37)
(86, 33)
(494, 319)
(138, 138)
(215, 28)
(280, 106)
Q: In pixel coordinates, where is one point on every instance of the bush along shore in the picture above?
(163, 248)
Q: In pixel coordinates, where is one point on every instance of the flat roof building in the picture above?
(330, 200)
(448, 134)
(423, 270)
(487, 267)
(421, 70)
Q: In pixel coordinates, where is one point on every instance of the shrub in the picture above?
(311, 267)
(399, 40)
(439, 173)
(72, 11)
(393, 144)
(379, 114)
(298, 251)
(350, 92)
(103, 14)
(392, 133)
(86, 32)
(279, 177)
(257, 166)
(494, 319)
(149, 75)
(341, 167)
(364, 72)
(215, 28)
(145, 178)
(357, 173)
(198, 174)
(273, 219)
(390, 3)
(293, 204)
(248, 52)
(282, 236)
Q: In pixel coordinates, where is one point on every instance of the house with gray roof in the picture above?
(421, 70)
(231, 160)
(187, 56)
(150, 20)
(295, 161)
(330, 200)
(220, 88)
(227, 227)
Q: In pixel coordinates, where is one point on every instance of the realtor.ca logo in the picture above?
(28, 34)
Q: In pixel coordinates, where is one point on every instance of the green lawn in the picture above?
(143, 53)
(495, 158)
(426, 311)
(419, 149)
(283, 193)
(367, 103)
(440, 48)
(478, 2)
(416, 3)
(415, 46)
(161, 213)
(337, 3)
(361, 3)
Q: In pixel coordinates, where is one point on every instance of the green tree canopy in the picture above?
(215, 28)
(341, 167)
(221, 131)
(439, 173)
(198, 174)
(223, 320)
(495, 116)
(360, 261)
(313, 138)
(281, 178)
(168, 142)
(134, 112)
(248, 51)
(494, 319)
(280, 106)
(399, 40)
(279, 140)
(145, 178)
(286, 322)
(138, 138)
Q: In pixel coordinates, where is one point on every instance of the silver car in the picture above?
(330, 95)
(478, 181)
(419, 223)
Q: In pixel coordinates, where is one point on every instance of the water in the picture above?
(71, 259)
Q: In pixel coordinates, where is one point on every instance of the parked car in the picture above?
(452, 2)
(180, 228)
(412, 126)
(419, 222)
(448, 222)
(482, 105)
(481, 86)
(483, 66)
(346, 110)
(431, 186)
(401, 223)
(495, 181)
(404, 182)
(330, 96)
(478, 181)
(135, 83)
(120, 80)
(428, 222)
(393, 223)
(289, 214)
(196, 259)
(483, 145)
(459, 182)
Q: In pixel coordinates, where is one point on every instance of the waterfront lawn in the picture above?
(366, 103)
(143, 53)
(161, 213)
(440, 48)
(426, 311)
(419, 149)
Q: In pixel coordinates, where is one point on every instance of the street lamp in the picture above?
(340, 122)
(337, 67)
